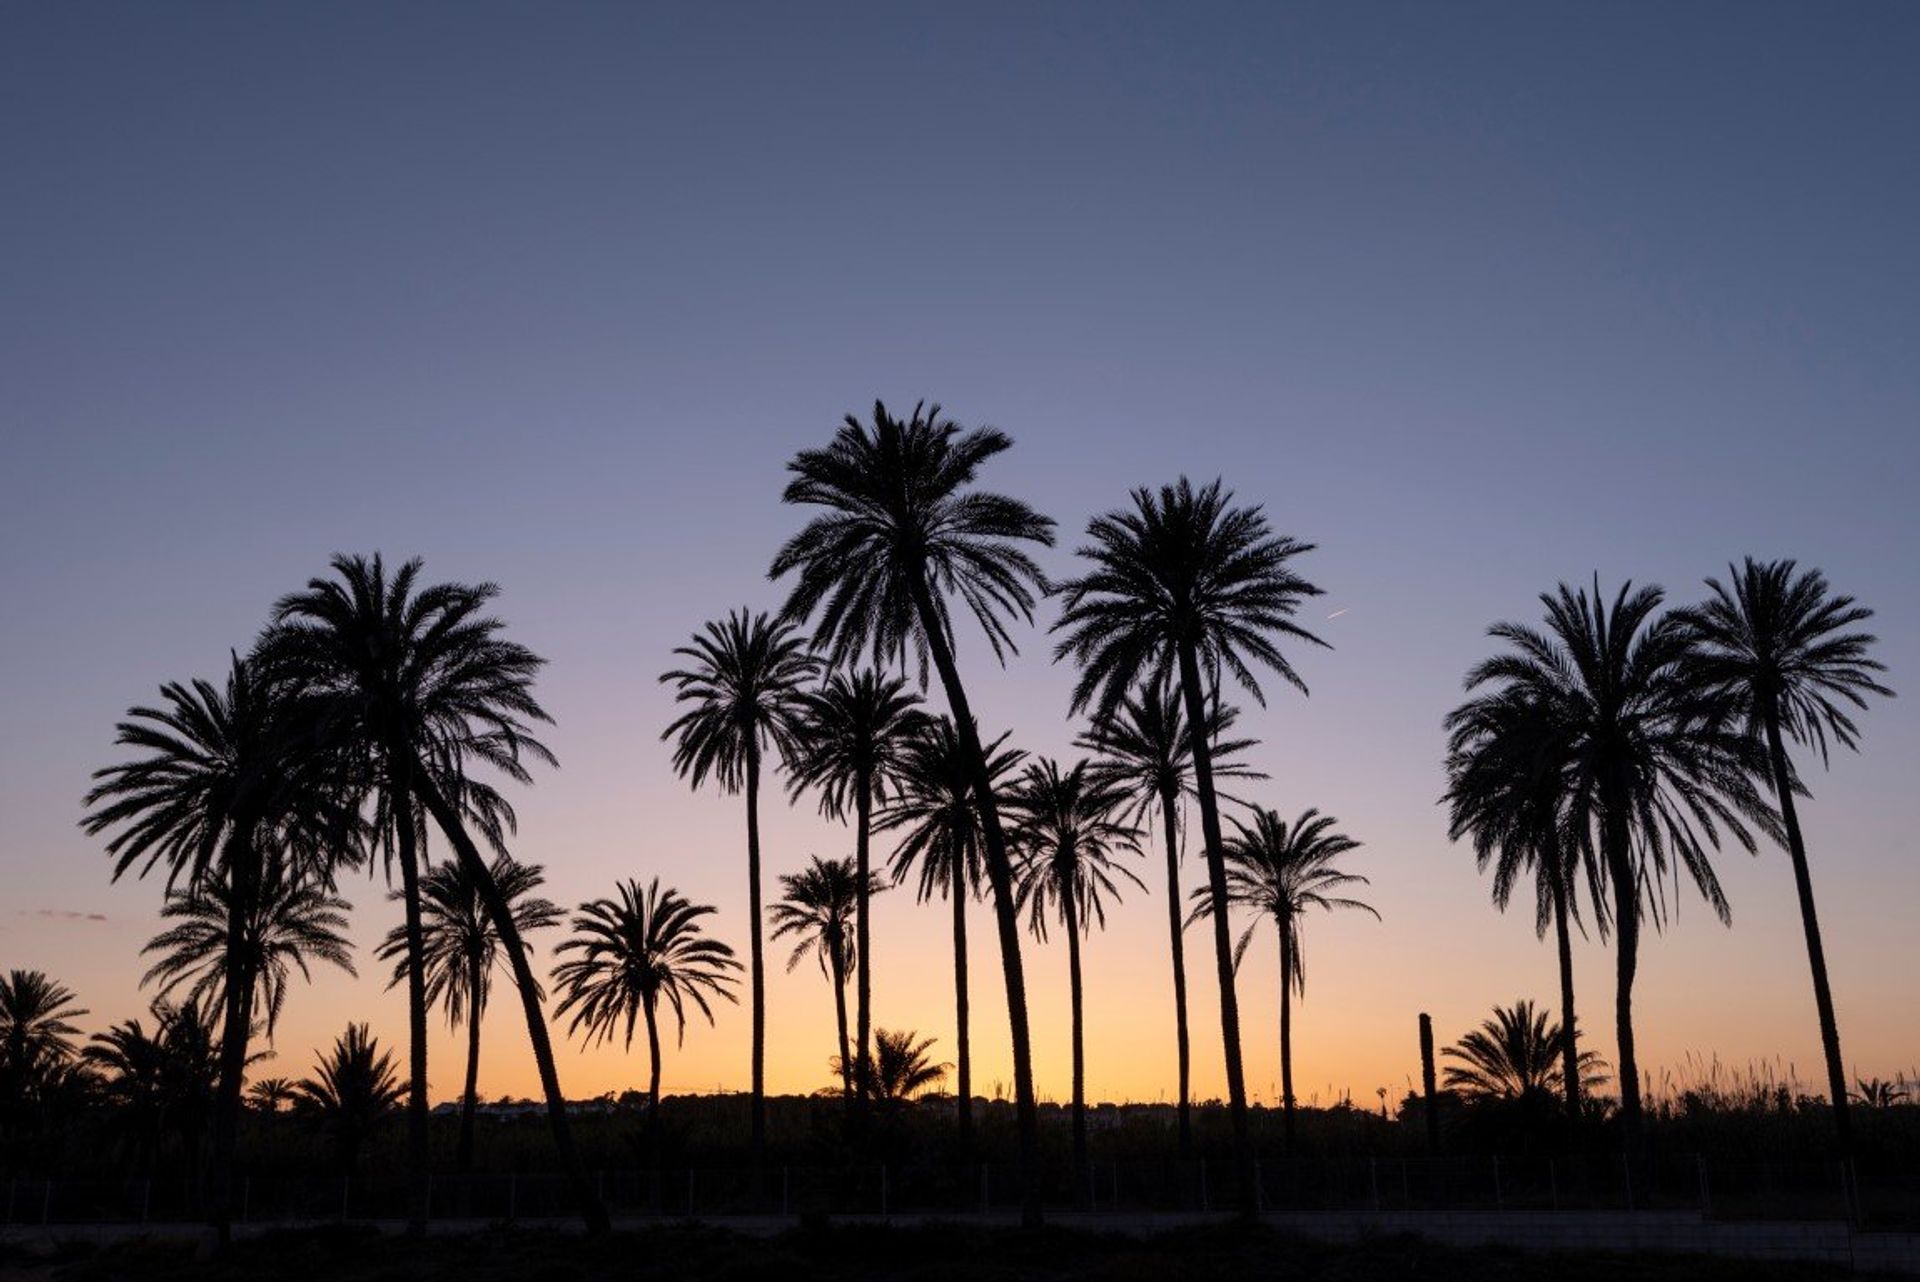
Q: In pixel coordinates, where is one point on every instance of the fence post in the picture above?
(1259, 1190)
(246, 1197)
(1499, 1198)
(986, 1193)
(689, 1192)
(1553, 1185)
(1116, 1186)
(786, 1190)
(346, 1184)
(1849, 1191)
(1706, 1193)
(883, 1190)
(13, 1186)
(46, 1202)
(1626, 1169)
(429, 1207)
(146, 1198)
(1373, 1174)
(513, 1195)
(1204, 1208)
(1406, 1189)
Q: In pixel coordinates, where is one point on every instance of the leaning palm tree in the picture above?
(36, 1033)
(419, 684)
(935, 805)
(1506, 779)
(1513, 1055)
(742, 691)
(902, 532)
(818, 906)
(629, 953)
(1655, 768)
(354, 1088)
(1143, 748)
(1068, 828)
(462, 949)
(1280, 870)
(1787, 650)
(1186, 585)
(854, 728)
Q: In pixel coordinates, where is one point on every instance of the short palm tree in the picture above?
(1183, 586)
(1655, 766)
(353, 1090)
(1143, 748)
(935, 807)
(854, 729)
(271, 1095)
(1786, 649)
(628, 954)
(818, 905)
(902, 1068)
(462, 949)
(1513, 1055)
(420, 685)
(163, 1082)
(1067, 825)
(1280, 870)
(903, 531)
(741, 689)
(36, 1034)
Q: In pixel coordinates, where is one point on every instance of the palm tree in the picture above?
(36, 1035)
(1143, 750)
(742, 689)
(353, 1089)
(1186, 583)
(420, 684)
(1513, 1055)
(936, 806)
(164, 1081)
(902, 1067)
(854, 729)
(1785, 648)
(626, 954)
(270, 1095)
(1067, 825)
(227, 781)
(902, 532)
(1280, 870)
(290, 923)
(1655, 767)
(461, 949)
(818, 905)
(1506, 779)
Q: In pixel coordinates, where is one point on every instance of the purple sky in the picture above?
(1475, 298)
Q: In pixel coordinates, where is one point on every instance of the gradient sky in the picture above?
(1475, 298)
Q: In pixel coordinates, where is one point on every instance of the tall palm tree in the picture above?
(742, 691)
(855, 727)
(1655, 767)
(1513, 1055)
(1281, 870)
(818, 905)
(419, 683)
(935, 804)
(225, 780)
(353, 1089)
(1143, 748)
(1506, 781)
(461, 950)
(1786, 649)
(290, 923)
(902, 531)
(1068, 827)
(1184, 583)
(626, 954)
(36, 1035)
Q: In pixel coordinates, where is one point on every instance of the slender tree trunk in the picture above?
(243, 888)
(1626, 895)
(757, 1103)
(1810, 922)
(1570, 1028)
(470, 1098)
(1286, 1032)
(1000, 878)
(591, 1210)
(863, 939)
(964, 1053)
(1176, 928)
(837, 964)
(1079, 1049)
(1222, 939)
(653, 1062)
(402, 811)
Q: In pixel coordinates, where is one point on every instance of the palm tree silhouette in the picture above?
(270, 1095)
(164, 1081)
(936, 806)
(420, 684)
(460, 949)
(1185, 583)
(743, 691)
(1784, 647)
(903, 531)
(1143, 750)
(1506, 779)
(354, 1088)
(1656, 767)
(628, 953)
(226, 778)
(36, 1035)
(819, 905)
(854, 728)
(902, 1067)
(1513, 1055)
(1067, 826)
(1281, 870)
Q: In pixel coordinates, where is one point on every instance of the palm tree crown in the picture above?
(853, 726)
(36, 1029)
(1514, 1054)
(935, 805)
(627, 953)
(462, 947)
(1067, 823)
(903, 1066)
(742, 687)
(817, 907)
(1281, 870)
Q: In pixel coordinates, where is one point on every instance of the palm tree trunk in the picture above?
(1810, 923)
(1000, 878)
(863, 940)
(653, 1062)
(757, 1103)
(1169, 814)
(591, 1209)
(963, 1056)
(1079, 1049)
(1286, 1032)
(1626, 896)
(470, 1098)
(1222, 941)
(402, 813)
(243, 887)
(1569, 1026)
(837, 964)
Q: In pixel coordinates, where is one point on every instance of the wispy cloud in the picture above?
(1337, 613)
(61, 914)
